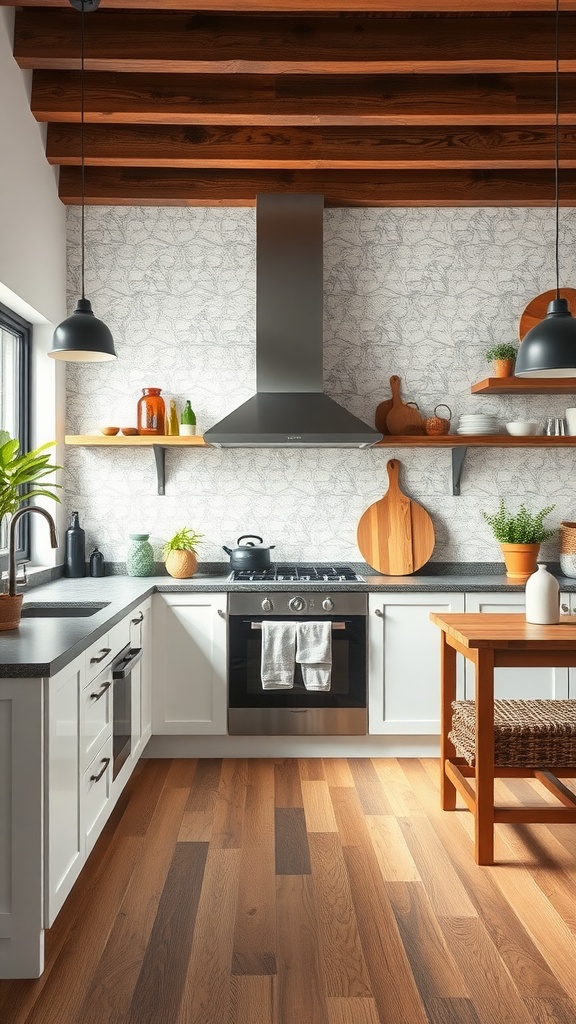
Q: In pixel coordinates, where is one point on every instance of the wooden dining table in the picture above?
(493, 641)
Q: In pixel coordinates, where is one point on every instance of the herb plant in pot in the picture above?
(21, 477)
(503, 358)
(179, 553)
(520, 535)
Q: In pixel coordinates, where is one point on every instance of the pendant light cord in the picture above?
(82, 143)
(557, 146)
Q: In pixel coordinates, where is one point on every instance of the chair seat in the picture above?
(527, 733)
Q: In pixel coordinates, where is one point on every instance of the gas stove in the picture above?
(297, 574)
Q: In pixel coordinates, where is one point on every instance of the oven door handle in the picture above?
(126, 663)
(335, 625)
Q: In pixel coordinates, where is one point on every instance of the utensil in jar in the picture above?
(437, 425)
(254, 554)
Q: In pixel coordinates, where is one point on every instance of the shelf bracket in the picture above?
(160, 460)
(458, 459)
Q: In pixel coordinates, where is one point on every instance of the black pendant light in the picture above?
(549, 349)
(82, 337)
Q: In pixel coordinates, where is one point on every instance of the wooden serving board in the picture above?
(385, 407)
(395, 535)
(537, 308)
(402, 418)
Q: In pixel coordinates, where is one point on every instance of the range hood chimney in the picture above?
(290, 409)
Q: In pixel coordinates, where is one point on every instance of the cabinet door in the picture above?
(95, 715)
(404, 662)
(95, 794)
(515, 683)
(189, 664)
(568, 607)
(140, 636)
(64, 844)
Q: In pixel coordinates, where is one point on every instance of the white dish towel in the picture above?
(278, 653)
(314, 654)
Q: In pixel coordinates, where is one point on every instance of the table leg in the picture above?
(448, 694)
(484, 818)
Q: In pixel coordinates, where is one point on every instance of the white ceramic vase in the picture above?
(542, 598)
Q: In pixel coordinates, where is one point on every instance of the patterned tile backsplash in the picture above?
(418, 292)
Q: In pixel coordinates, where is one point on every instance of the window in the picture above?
(15, 341)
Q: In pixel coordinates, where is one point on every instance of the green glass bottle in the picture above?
(188, 419)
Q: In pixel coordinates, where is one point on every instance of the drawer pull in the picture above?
(379, 613)
(103, 653)
(565, 608)
(140, 618)
(101, 691)
(105, 763)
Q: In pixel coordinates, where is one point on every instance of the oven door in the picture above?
(253, 710)
(122, 706)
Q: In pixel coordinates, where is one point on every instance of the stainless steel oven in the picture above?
(122, 705)
(254, 710)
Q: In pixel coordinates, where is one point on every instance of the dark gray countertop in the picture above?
(43, 646)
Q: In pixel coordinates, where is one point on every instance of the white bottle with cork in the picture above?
(542, 598)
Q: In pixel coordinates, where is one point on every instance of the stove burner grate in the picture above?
(298, 574)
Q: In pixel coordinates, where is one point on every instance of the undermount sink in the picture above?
(61, 611)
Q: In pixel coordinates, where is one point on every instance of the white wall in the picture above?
(32, 249)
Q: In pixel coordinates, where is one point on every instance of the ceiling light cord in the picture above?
(82, 147)
(557, 148)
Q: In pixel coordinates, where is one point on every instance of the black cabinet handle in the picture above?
(104, 652)
(138, 620)
(101, 691)
(105, 763)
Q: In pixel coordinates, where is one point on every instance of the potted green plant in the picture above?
(16, 473)
(503, 358)
(519, 535)
(179, 553)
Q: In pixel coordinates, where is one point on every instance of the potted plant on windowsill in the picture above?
(503, 358)
(179, 553)
(16, 472)
(520, 535)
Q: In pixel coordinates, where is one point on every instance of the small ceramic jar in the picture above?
(140, 556)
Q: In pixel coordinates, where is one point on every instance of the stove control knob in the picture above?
(328, 604)
(296, 604)
(267, 605)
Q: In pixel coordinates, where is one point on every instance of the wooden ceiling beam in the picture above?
(324, 6)
(302, 99)
(300, 148)
(206, 43)
(162, 187)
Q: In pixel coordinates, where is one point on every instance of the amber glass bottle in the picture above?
(151, 412)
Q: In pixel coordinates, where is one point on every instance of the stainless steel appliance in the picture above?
(281, 573)
(122, 705)
(253, 710)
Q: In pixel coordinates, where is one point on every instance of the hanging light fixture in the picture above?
(549, 349)
(82, 337)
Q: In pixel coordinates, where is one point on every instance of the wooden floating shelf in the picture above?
(135, 441)
(525, 386)
(477, 441)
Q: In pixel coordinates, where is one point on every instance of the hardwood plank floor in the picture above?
(308, 892)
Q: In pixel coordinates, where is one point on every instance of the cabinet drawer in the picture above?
(96, 787)
(96, 715)
(97, 657)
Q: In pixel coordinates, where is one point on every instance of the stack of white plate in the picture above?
(481, 423)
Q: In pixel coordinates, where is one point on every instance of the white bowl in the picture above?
(523, 427)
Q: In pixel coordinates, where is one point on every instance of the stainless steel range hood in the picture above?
(290, 409)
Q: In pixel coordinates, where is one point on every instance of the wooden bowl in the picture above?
(129, 431)
(110, 431)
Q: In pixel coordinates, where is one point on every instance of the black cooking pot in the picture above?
(250, 555)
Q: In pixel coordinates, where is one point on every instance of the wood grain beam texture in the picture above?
(178, 42)
(220, 187)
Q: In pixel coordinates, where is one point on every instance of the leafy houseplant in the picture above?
(520, 535)
(503, 356)
(16, 472)
(179, 553)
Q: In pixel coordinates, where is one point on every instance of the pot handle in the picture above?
(250, 536)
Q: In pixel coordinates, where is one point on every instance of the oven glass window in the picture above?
(348, 675)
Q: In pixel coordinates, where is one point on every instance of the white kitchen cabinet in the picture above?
(568, 607)
(189, 664)
(515, 683)
(95, 792)
(404, 662)
(95, 715)
(64, 840)
(141, 636)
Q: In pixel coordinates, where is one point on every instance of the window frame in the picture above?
(22, 329)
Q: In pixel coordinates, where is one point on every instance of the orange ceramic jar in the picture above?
(151, 412)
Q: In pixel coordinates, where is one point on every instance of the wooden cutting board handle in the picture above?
(402, 418)
(384, 408)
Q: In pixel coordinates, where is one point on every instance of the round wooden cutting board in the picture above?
(395, 535)
(537, 308)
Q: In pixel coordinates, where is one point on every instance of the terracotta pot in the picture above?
(10, 609)
(520, 560)
(181, 564)
(503, 367)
